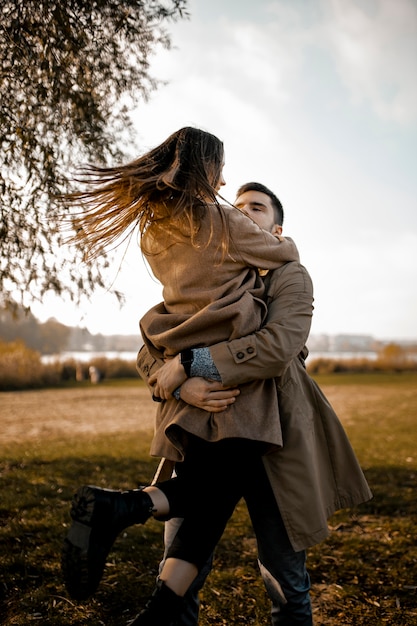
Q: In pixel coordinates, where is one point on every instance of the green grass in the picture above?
(364, 574)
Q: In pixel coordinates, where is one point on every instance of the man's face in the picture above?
(259, 207)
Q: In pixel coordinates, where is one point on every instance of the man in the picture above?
(299, 486)
(266, 210)
(304, 475)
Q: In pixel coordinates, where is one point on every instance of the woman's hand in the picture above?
(209, 395)
(170, 376)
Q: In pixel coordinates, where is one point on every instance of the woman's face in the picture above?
(220, 182)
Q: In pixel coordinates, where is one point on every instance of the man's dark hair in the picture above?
(278, 208)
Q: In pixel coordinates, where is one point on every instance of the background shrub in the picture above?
(20, 367)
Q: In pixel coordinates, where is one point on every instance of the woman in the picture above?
(203, 254)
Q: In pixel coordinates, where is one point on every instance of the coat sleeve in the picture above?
(255, 247)
(147, 364)
(268, 352)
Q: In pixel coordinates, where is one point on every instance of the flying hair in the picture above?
(170, 184)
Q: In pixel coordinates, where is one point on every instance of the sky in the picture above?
(317, 99)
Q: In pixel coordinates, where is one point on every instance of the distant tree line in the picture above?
(52, 337)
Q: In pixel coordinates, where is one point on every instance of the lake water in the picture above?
(131, 356)
(83, 357)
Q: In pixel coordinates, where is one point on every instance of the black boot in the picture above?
(99, 515)
(162, 609)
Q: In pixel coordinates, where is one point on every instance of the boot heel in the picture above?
(79, 535)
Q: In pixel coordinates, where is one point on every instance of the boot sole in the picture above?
(83, 503)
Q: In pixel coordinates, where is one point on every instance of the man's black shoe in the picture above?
(99, 515)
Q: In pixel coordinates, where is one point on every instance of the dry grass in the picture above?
(365, 574)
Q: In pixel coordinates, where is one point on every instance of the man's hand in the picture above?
(209, 395)
(170, 376)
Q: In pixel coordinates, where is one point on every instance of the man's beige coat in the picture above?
(316, 471)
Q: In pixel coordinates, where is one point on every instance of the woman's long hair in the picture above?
(171, 184)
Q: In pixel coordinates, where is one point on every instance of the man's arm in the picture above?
(268, 352)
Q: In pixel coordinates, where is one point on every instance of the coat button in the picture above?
(240, 355)
(250, 350)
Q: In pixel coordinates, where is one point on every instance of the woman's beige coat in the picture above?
(316, 471)
(210, 296)
(208, 299)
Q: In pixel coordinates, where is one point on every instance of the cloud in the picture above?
(374, 44)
